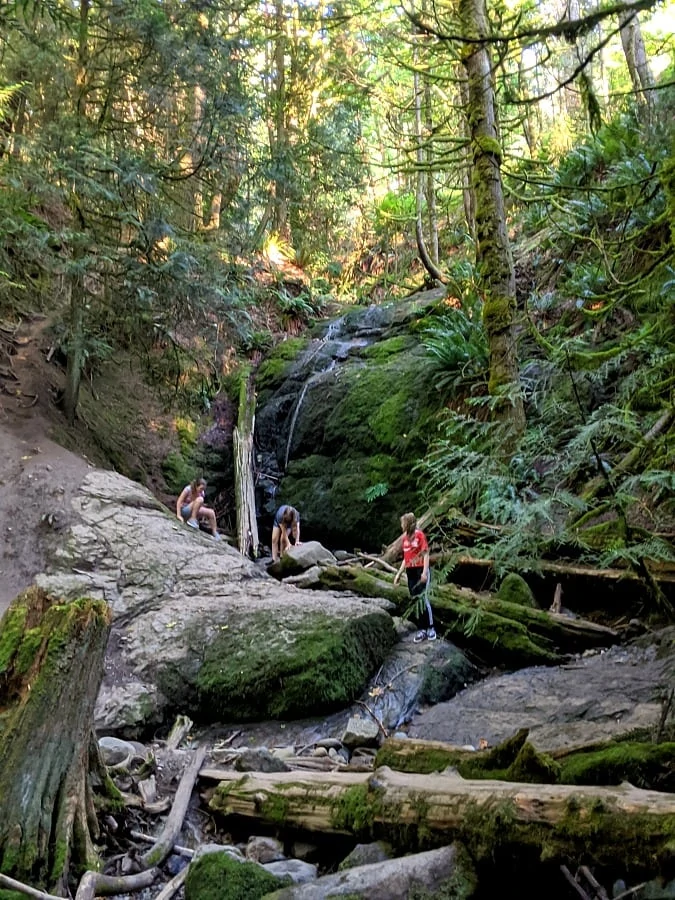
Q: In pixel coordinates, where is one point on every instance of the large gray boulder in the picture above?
(197, 627)
(392, 879)
(595, 698)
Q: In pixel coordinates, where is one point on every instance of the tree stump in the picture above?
(51, 664)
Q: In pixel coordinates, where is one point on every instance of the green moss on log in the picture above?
(532, 766)
(514, 589)
(216, 876)
(646, 765)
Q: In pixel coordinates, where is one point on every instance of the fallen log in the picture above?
(624, 825)
(497, 631)
(645, 764)
(93, 884)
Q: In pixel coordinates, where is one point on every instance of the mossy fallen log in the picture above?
(645, 765)
(498, 632)
(602, 825)
(51, 664)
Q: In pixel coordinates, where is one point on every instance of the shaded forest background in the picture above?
(184, 185)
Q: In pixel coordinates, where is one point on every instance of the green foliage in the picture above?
(376, 490)
(216, 876)
(395, 213)
(457, 343)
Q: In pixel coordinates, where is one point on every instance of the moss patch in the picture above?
(275, 367)
(646, 765)
(216, 876)
(514, 589)
(324, 665)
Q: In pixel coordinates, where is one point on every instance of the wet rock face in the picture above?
(595, 698)
(342, 413)
(199, 629)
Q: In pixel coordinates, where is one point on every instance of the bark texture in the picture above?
(493, 251)
(247, 523)
(616, 824)
(51, 663)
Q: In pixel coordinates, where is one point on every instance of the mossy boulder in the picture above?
(332, 494)
(198, 629)
(514, 589)
(323, 665)
(217, 876)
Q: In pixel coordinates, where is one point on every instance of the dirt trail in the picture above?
(37, 476)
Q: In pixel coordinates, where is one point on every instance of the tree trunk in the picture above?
(638, 65)
(75, 347)
(279, 143)
(493, 251)
(51, 664)
(247, 524)
(621, 825)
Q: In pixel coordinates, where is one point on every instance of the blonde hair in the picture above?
(408, 523)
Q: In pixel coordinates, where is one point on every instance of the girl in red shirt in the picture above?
(416, 565)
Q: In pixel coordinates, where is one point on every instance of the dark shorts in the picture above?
(416, 587)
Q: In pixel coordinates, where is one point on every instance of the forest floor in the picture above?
(42, 457)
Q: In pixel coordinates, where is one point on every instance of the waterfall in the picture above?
(310, 381)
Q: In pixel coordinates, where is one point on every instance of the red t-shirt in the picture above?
(414, 549)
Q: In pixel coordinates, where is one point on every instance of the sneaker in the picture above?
(193, 523)
(216, 536)
(431, 634)
(419, 637)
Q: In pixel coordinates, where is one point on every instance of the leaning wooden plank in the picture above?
(174, 822)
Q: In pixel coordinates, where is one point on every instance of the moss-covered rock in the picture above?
(514, 589)
(351, 411)
(332, 494)
(216, 876)
(264, 671)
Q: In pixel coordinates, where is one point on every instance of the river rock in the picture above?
(360, 732)
(259, 759)
(198, 628)
(298, 871)
(264, 849)
(366, 854)
(414, 675)
(392, 879)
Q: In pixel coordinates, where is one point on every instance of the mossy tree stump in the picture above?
(51, 664)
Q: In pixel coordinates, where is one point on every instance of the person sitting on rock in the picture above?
(416, 565)
(190, 507)
(286, 527)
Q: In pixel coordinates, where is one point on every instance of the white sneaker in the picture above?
(216, 536)
(431, 634)
(192, 523)
(419, 637)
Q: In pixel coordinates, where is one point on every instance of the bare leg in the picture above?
(276, 543)
(194, 509)
(207, 513)
(284, 542)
